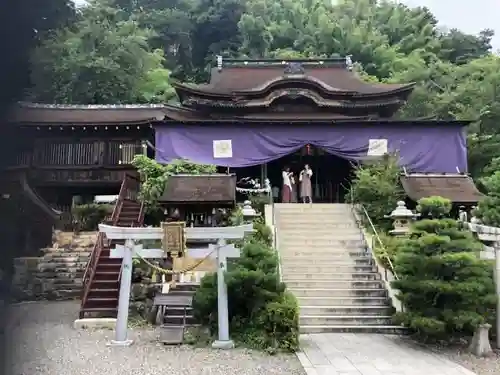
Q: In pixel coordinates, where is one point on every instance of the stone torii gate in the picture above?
(174, 237)
(489, 236)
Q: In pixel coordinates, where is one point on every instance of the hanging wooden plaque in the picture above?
(174, 240)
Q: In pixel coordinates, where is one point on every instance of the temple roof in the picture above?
(458, 188)
(253, 77)
(32, 113)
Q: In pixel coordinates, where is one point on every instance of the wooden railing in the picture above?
(129, 190)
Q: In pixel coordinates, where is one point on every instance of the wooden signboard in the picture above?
(189, 189)
(174, 240)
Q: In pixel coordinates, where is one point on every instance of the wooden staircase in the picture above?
(101, 281)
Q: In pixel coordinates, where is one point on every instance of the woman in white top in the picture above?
(305, 184)
(286, 191)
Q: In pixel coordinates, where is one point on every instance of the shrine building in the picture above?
(253, 118)
(256, 116)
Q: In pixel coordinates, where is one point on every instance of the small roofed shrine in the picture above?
(259, 116)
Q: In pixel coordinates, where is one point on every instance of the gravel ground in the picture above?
(481, 366)
(43, 342)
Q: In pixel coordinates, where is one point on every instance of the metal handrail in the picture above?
(91, 266)
(374, 236)
(380, 242)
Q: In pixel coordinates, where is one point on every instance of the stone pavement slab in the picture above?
(370, 354)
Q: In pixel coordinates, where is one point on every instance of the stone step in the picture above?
(324, 254)
(307, 292)
(287, 243)
(60, 265)
(74, 280)
(291, 276)
(383, 329)
(348, 301)
(67, 255)
(319, 234)
(327, 268)
(311, 211)
(69, 286)
(342, 320)
(346, 261)
(336, 284)
(346, 310)
(285, 225)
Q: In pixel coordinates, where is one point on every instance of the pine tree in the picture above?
(444, 286)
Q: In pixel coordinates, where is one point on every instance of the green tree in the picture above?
(445, 289)
(104, 59)
(377, 187)
(154, 176)
(488, 209)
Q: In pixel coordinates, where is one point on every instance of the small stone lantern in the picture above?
(248, 211)
(402, 218)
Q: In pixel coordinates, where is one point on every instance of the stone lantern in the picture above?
(248, 211)
(402, 218)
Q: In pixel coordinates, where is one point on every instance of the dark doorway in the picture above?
(331, 174)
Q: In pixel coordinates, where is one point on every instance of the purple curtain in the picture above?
(424, 148)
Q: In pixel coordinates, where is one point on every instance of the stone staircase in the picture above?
(57, 273)
(325, 265)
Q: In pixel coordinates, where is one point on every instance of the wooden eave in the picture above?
(31, 114)
(207, 91)
(177, 115)
(323, 87)
(264, 104)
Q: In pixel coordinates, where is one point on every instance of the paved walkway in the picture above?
(368, 354)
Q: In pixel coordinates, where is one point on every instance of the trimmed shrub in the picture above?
(262, 313)
(87, 217)
(446, 290)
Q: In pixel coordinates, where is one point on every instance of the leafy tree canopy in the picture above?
(123, 51)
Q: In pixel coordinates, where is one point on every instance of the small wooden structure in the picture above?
(199, 200)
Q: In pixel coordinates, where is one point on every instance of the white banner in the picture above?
(377, 147)
(223, 149)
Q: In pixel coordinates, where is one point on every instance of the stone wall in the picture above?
(58, 273)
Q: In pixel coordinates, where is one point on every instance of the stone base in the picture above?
(480, 345)
(100, 323)
(120, 343)
(218, 344)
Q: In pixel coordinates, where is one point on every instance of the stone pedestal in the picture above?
(480, 345)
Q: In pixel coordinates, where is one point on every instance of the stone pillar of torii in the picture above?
(221, 251)
(489, 236)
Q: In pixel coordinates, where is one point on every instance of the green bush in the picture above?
(87, 217)
(446, 290)
(435, 207)
(154, 176)
(262, 313)
(377, 187)
(488, 209)
(389, 250)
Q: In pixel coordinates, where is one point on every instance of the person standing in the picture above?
(276, 194)
(305, 184)
(286, 191)
(294, 198)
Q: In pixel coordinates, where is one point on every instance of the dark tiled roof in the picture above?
(31, 113)
(234, 79)
(200, 188)
(455, 187)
